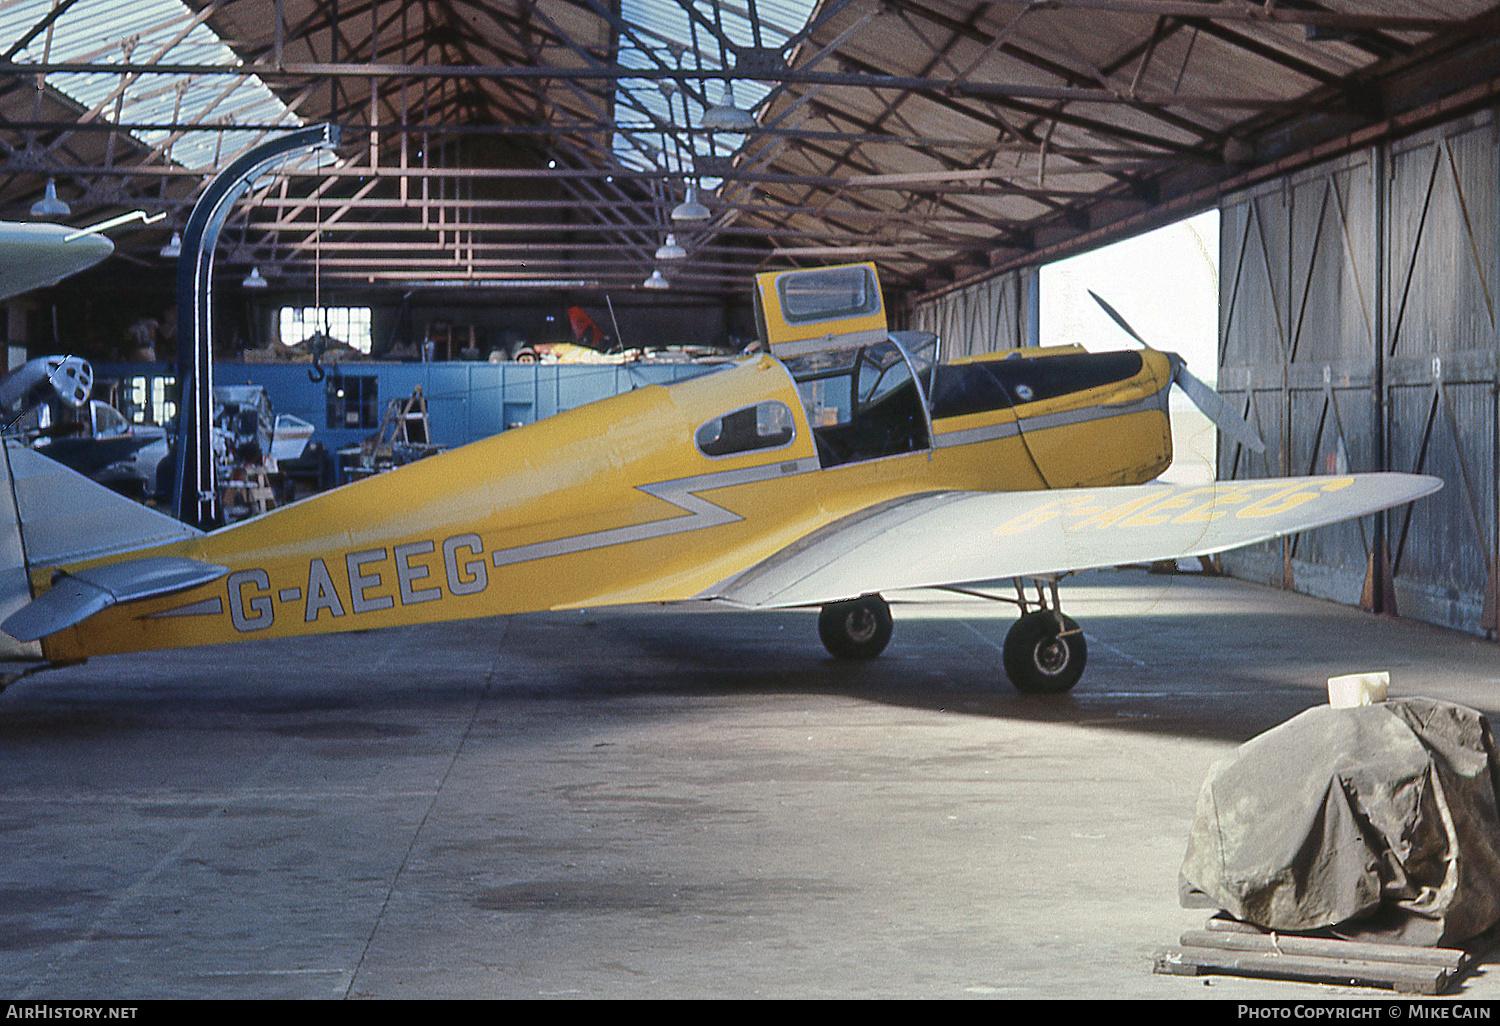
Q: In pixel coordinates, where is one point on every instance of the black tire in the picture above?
(857, 629)
(1045, 653)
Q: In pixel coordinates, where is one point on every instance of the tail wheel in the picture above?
(1045, 653)
(857, 629)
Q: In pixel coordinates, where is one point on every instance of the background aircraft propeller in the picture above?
(1214, 406)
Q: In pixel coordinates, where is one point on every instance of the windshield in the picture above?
(862, 402)
(921, 349)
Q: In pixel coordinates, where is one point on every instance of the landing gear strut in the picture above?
(857, 629)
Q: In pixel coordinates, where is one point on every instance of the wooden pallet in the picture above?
(1231, 948)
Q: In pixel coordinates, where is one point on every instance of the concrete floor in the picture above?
(659, 803)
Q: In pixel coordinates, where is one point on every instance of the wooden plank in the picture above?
(1225, 923)
(1327, 947)
(1406, 979)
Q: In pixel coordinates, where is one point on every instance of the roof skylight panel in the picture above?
(666, 36)
(146, 32)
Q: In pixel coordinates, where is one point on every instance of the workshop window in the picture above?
(150, 400)
(353, 401)
(350, 324)
(766, 425)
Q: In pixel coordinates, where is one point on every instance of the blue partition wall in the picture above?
(465, 401)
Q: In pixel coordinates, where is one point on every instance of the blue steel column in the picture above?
(195, 494)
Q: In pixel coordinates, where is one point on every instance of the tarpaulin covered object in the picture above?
(1377, 822)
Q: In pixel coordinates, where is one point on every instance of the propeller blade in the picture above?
(1115, 316)
(1225, 417)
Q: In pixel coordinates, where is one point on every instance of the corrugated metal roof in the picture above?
(957, 133)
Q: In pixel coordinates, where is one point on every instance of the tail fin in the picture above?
(52, 516)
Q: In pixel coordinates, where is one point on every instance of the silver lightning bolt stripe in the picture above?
(681, 493)
(701, 513)
(205, 607)
(251, 594)
(991, 432)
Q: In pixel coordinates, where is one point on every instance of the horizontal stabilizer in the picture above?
(76, 596)
(949, 538)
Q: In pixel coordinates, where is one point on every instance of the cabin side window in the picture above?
(766, 425)
(828, 294)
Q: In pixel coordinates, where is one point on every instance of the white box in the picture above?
(1358, 689)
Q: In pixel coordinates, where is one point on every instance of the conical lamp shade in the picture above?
(669, 250)
(724, 116)
(49, 205)
(690, 209)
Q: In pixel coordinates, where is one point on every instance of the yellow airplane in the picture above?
(841, 463)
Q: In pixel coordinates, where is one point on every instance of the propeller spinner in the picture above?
(1213, 405)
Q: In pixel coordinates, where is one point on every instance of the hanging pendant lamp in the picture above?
(49, 205)
(690, 209)
(724, 116)
(670, 250)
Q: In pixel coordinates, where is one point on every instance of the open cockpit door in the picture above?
(812, 309)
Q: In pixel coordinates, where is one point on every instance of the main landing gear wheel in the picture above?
(857, 629)
(1045, 653)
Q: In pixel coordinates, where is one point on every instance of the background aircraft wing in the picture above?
(947, 538)
(36, 254)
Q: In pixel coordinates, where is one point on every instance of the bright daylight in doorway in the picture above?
(1166, 284)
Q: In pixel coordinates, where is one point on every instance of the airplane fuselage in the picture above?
(654, 495)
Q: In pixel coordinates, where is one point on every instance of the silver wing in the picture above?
(33, 255)
(947, 538)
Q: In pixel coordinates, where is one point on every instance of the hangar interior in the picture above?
(502, 163)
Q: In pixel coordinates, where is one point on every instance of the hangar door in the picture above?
(1357, 330)
(996, 314)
